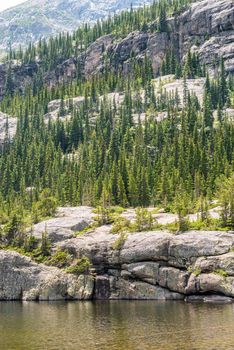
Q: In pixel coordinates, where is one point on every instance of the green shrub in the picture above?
(14, 231)
(43, 251)
(45, 207)
(121, 225)
(60, 259)
(144, 220)
(118, 244)
(81, 266)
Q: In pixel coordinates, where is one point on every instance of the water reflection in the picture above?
(120, 325)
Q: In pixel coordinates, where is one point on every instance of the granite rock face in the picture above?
(32, 20)
(149, 265)
(65, 225)
(158, 265)
(207, 27)
(22, 279)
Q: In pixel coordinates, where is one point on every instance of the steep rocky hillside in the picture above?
(207, 28)
(34, 19)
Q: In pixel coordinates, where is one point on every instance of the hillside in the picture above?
(35, 19)
(206, 29)
(131, 119)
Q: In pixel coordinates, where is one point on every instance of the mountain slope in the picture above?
(34, 19)
(207, 29)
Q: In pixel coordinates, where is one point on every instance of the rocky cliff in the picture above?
(30, 21)
(147, 265)
(22, 279)
(207, 28)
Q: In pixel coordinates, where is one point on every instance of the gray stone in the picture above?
(23, 279)
(131, 290)
(8, 126)
(223, 262)
(185, 248)
(68, 221)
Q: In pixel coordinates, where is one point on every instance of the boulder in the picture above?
(23, 279)
(138, 290)
(185, 248)
(68, 221)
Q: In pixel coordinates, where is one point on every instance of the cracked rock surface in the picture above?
(194, 265)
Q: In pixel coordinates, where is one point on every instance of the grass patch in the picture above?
(221, 273)
(195, 271)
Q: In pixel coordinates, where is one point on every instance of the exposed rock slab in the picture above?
(68, 221)
(194, 262)
(22, 279)
(145, 265)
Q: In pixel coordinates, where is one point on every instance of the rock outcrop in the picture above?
(32, 20)
(22, 279)
(192, 266)
(159, 265)
(8, 126)
(207, 28)
(67, 222)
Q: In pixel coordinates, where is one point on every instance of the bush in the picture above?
(13, 231)
(60, 259)
(118, 244)
(121, 225)
(45, 207)
(81, 266)
(144, 220)
(103, 216)
(44, 250)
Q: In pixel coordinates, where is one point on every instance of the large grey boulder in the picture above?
(185, 248)
(23, 279)
(68, 221)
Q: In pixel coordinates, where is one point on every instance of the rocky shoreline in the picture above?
(156, 265)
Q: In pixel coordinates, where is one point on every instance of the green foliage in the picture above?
(13, 231)
(120, 225)
(43, 251)
(118, 244)
(80, 266)
(226, 198)
(144, 220)
(60, 259)
(45, 207)
(221, 273)
(182, 207)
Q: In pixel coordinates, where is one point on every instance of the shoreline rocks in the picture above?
(192, 266)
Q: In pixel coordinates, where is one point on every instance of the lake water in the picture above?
(120, 325)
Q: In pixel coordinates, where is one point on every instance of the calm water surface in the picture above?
(120, 325)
